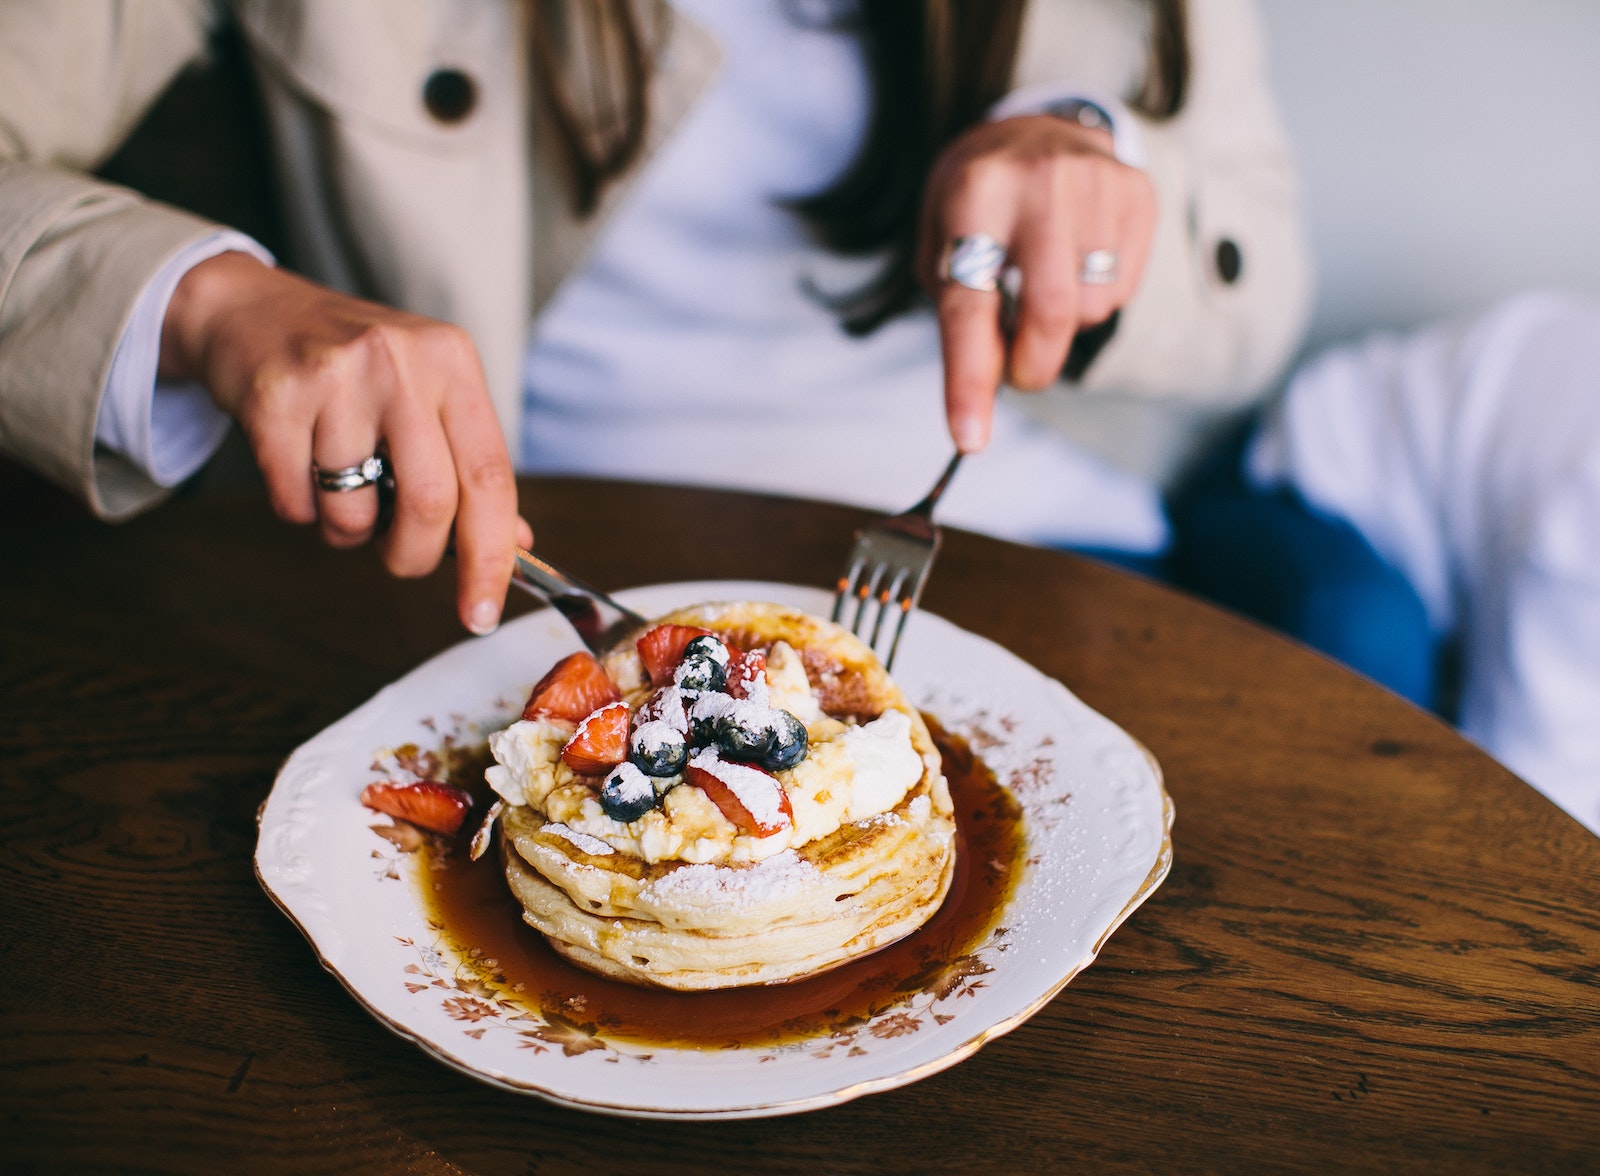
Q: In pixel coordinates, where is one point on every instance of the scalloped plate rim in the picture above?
(268, 873)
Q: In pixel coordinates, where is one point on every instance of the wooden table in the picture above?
(1376, 949)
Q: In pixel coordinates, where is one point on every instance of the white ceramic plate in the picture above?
(1097, 823)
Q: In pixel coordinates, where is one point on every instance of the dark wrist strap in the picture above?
(1087, 114)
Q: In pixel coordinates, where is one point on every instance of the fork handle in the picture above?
(925, 507)
(600, 621)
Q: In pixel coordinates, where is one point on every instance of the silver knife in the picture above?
(600, 621)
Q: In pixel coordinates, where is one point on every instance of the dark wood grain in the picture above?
(1376, 949)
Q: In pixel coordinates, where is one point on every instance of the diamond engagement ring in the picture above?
(368, 473)
(1099, 267)
(974, 262)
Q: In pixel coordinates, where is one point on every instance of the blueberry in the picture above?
(708, 646)
(704, 714)
(788, 742)
(699, 672)
(745, 737)
(702, 731)
(656, 749)
(627, 794)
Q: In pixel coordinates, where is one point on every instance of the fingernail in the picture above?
(969, 434)
(484, 617)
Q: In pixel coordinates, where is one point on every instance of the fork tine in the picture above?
(891, 590)
(866, 592)
(847, 582)
(887, 569)
(908, 604)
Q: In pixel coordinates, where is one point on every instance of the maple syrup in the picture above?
(474, 908)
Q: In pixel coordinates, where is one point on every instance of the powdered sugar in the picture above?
(668, 705)
(760, 794)
(710, 706)
(590, 845)
(656, 736)
(736, 888)
(714, 648)
(752, 714)
(632, 785)
(583, 727)
(750, 679)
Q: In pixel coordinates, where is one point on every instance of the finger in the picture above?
(977, 201)
(1050, 306)
(487, 524)
(1135, 232)
(974, 362)
(1120, 221)
(345, 436)
(524, 533)
(280, 437)
(425, 492)
(1097, 299)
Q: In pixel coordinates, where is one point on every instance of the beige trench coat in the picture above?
(466, 220)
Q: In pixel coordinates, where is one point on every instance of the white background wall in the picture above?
(1450, 150)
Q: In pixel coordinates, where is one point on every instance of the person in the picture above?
(1467, 454)
(716, 218)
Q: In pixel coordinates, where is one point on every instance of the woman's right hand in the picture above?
(315, 376)
(1049, 191)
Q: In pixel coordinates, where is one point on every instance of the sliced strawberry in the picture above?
(661, 649)
(748, 796)
(575, 687)
(744, 671)
(667, 705)
(427, 804)
(600, 743)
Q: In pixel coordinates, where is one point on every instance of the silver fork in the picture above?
(600, 621)
(887, 569)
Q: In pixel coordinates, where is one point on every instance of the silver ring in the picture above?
(1099, 267)
(974, 262)
(368, 473)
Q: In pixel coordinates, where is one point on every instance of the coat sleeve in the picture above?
(75, 254)
(1226, 292)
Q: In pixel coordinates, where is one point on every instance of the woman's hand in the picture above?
(1050, 191)
(314, 376)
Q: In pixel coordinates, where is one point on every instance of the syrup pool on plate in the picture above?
(472, 906)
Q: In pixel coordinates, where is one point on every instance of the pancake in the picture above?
(683, 898)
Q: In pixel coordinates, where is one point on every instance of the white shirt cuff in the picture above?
(1127, 141)
(167, 429)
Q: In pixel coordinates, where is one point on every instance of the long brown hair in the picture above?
(592, 65)
(936, 67)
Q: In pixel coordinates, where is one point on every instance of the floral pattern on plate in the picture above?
(1096, 818)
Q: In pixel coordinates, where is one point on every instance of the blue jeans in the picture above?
(1310, 575)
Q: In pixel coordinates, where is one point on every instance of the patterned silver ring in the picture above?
(1099, 267)
(974, 262)
(368, 473)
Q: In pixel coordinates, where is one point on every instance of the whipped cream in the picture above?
(850, 773)
(528, 763)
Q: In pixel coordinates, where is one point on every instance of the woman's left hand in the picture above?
(1050, 192)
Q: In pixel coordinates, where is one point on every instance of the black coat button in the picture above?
(1229, 261)
(449, 95)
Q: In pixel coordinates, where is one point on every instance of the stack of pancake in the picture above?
(790, 914)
